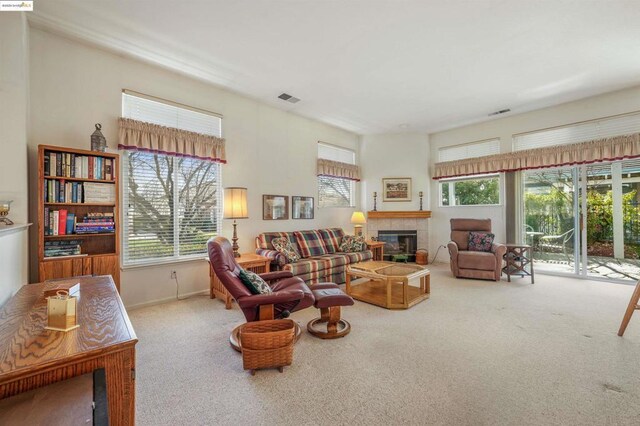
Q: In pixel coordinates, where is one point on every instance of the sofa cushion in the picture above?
(284, 246)
(353, 243)
(359, 256)
(332, 260)
(310, 243)
(254, 283)
(264, 240)
(480, 241)
(305, 266)
(481, 260)
(331, 238)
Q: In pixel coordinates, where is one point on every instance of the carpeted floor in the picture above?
(476, 353)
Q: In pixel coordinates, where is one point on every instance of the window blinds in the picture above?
(581, 132)
(172, 204)
(469, 150)
(168, 115)
(335, 191)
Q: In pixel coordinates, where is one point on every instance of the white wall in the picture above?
(620, 102)
(269, 151)
(13, 143)
(395, 155)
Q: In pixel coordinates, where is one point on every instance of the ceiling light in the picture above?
(287, 97)
(502, 111)
(404, 126)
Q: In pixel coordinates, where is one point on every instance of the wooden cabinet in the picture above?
(64, 188)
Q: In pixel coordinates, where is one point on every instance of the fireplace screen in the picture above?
(399, 243)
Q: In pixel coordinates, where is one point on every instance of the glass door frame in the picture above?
(579, 175)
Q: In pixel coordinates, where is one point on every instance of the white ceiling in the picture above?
(377, 66)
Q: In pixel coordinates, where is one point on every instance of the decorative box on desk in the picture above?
(249, 261)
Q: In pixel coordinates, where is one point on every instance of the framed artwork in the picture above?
(275, 207)
(301, 207)
(396, 189)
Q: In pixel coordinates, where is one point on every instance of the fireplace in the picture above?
(399, 242)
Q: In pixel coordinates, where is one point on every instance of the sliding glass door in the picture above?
(584, 220)
(550, 211)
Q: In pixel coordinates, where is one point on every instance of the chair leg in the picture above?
(633, 305)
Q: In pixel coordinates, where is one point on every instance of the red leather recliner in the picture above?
(290, 293)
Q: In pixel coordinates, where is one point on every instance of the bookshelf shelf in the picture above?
(99, 252)
(73, 179)
(78, 236)
(82, 204)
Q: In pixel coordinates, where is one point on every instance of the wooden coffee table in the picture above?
(389, 284)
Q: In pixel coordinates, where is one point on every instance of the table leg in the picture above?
(347, 283)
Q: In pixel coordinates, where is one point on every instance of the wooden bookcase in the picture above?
(102, 249)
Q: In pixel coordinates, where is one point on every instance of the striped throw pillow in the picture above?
(331, 238)
(310, 243)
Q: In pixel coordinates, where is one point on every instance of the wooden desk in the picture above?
(32, 357)
(249, 261)
(377, 247)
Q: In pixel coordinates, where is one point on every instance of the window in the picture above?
(473, 191)
(581, 132)
(335, 191)
(469, 150)
(172, 204)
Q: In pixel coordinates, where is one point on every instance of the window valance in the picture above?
(338, 169)
(141, 136)
(607, 149)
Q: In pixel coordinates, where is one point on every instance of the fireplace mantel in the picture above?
(418, 214)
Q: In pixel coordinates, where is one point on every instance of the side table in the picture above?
(249, 261)
(377, 247)
(519, 259)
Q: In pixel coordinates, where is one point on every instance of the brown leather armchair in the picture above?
(290, 293)
(474, 264)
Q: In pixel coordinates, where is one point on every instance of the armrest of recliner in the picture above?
(453, 257)
(270, 299)
(276, 275)
(499, 249)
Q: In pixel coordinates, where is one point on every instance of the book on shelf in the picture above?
(62, 248)
(62, 164)
(99, 193)
(59, 191)
(63, 222)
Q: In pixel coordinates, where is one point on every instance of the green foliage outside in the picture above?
(473, 192)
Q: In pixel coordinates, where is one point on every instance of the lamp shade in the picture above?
(358, 218)
(235, 203)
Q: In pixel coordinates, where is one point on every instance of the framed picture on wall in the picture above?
(275, 207)
(396, 189)
(301, 207)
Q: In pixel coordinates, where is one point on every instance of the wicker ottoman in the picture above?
(329, 299)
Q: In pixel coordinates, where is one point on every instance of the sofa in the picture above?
(484, 265)
(320, 257)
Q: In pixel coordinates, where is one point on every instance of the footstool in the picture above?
(329, 299)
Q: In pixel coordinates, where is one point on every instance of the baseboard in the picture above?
(165, 300)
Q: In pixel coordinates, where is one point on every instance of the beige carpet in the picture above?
(476, 353)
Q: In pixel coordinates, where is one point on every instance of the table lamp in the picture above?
(358, 219)
(235, 207)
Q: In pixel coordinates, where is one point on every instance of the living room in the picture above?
(401, 88)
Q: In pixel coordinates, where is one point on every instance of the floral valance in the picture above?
(338, 169)
(148, 137)
(608, 149)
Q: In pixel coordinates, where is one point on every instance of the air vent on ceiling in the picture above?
(287, 97)
(502, 111)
